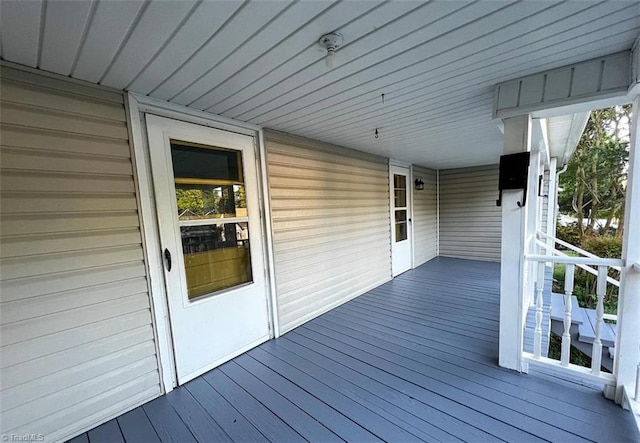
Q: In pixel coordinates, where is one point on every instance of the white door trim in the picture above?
(411, 186)
(263, 189)
(138, 105)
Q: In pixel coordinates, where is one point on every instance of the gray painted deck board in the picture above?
(398, 422)
(268, 423)
(578, 426)
(234, 424)
(135, 426)
(413, 414)
(386, 386)
(82, 438)
(412, 360)
(466, 371)
(347, 406)
(108, 432)
(300, 421)
(166, 421)
(478, 362)
(199, 422)
(332, 419)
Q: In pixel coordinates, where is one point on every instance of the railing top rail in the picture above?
(587, 268)
(593, 261)
(591, 270)
(568, 245)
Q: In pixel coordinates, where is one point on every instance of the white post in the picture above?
(517, 138)
(566, 336)
(628, 338)
(532, 225)
(601, 290)
(637, 396)
(552, 202)
(537, 333)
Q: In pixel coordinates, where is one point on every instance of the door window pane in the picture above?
(216, 257)
(203, 163)
(400, 198)
(210, 185)
(400, 190)
(401, 224)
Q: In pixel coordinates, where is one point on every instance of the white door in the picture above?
(399, 179)
(206, 190)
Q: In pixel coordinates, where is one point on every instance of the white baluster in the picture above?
(566, 336)
(601, 289)
(537, 333)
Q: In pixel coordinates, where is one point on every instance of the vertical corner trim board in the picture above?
(331, 227)
(425, 217)
(76, 337)
(470, 221)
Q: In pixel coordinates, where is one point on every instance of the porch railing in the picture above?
(601, 267)
(550, 249)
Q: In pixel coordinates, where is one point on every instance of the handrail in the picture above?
(570, 246)
(587, 268)
(576, 260)
(567, 245)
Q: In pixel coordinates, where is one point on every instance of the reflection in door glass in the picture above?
(401, 225)
(210, 188)
(400, 190)
(197, 202)
(216, 257)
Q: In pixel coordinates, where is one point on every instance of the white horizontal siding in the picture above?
(470, 221)
(425, 208)
(330, 213)
(77, 344)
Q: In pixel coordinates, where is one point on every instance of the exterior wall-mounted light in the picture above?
(419, 184)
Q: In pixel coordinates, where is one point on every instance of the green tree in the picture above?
(594, 184)
(240, 196)
(190, 202)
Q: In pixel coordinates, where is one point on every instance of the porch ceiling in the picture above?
(436, 63)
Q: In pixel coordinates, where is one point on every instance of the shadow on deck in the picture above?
(412, 360)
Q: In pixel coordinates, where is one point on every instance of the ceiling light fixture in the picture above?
(330, 42)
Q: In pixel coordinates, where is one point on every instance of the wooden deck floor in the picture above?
(412, 360)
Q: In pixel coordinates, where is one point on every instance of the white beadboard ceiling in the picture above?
(258, 61)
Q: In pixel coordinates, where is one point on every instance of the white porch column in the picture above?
(533, 209)
(628, 335)
(517, 138)
(552, 201)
